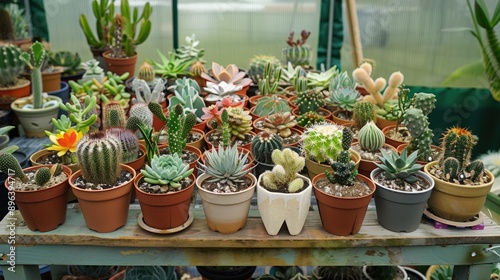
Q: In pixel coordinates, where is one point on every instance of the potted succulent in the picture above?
(70, 62)
(344, 100)
(461, 185)
(121, 55)
(343, 195)
(171, 67)
(226, 187)
(4, 136)
(102, 185)
(36, 111)
(230, 74)
(258, 64)
(11, 66)
(397, 134)
(282, 124)
(40, 192)
(269, 83)
(15, 24)
(239, 123)
(194, 55)
(283, 195)
(187, 93)
(164, 189)
(402, 191)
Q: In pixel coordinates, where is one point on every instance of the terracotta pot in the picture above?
(454, 202)
(247, 146)
(104, 210)
(8, 95)
(45, 209)
(254, 124)
(342, 215)
(382, 123)
(400, 211)
(164, 211)
(366, 166)
(292, 100)
(35, 122)
(200, 143)
(341, 121)
(362, 90)
(226, 212)
(401, 147)
(157, 123)
(252, 101)
(276, 208)
(120, 66)
(325, 113)
(314, 168)
(393, 142)
(40, 155)
(51, 81)
(201, 126)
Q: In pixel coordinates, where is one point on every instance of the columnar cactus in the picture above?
(280, 123)
(11, 66)
(257, 65)
(129, 143)
(343, 168)
(309, 100)
(457, 144)
(263, 145)
(99, 155)
(113, 115)
(34, 60)
(297, 52)
(322, 142)
(300, 84)
(371, 138)
(9, 165)
(421, 134)
(283, 176)
(309, 119)
(269, 83)
(179, 125)
(268, 105)
(363, 112)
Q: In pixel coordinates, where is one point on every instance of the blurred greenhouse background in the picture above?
(411, 36)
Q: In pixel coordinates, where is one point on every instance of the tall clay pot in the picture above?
(104, 210)
(342, 215)
(44, 209)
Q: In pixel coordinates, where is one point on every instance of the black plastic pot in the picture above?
(226, 273)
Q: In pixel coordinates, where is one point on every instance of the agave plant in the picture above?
(402, 167)
(170, 67)
(484, 31)
(226, 165)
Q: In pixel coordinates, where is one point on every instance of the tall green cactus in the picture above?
(11, 66)
(269, 83)
(363, 112)
(263, 145)
(371, 138)
(284, 174)
(257, 66)
(309, 101)
(343, 168)
(179, 125)
(99, 155)
(103, 11)
(129, 143)
(34, 60)
(421, 134)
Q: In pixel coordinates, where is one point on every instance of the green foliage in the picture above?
(179, 125)
(34, 60)
(20, 22)
(283, 177)
(150, 141)
(269, 83)
(268, 105)
(103, 12)
(443, 272)
(257, 66)
(363, 112)
(69, 61)
(9, 165)
(344, 98)
(226, 165)
(310, 101)
(240, 122)
(11, 66)
(189, 51)
(340, 81)
(320, 81)
(139, 113)
(421, 135)
(322, 142)
(187, 93)
(156, 109)
(170, 67)
(309, 119)
(343, 168)
(99, 155)
(399, 167)
(290, 74)
(297, 52)
(166, 170)
(80, 114)
(263, 145)
(42, 176)
(371, 138)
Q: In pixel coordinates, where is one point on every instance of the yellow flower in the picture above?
(65, 141)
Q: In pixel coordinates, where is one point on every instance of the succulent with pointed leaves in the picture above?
(399, 166)
(226, 165)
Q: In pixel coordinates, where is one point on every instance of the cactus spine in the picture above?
(9, 164)
(42, 176)
(371, 138)
(99, 155)
(129, 143)
(264, 144)
(10, 65)
(284, 174)
(309, 101)
(146, 72)
(139, 112)
(309, 118)
(113, 115)
(179, 125)
(343, 169)
(268, 105)
(257, 65)
(322, 142)
(421, 134)
(363, 112)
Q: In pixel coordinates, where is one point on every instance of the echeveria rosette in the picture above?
(166, 170)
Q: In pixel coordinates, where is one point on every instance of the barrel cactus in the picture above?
(309, 118)
(263, 145)
(371, 138)
(310, 100)
(322, 142)
(283, 177)
(268, 105)
(146, 72)
(113, 115)
(142, 113)
(99, 155)
(10, 65)
(129, 143)
(297, 52)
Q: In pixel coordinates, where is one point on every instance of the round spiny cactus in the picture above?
(309, 101)
(370, 137)
(129, 143)
(263, 145)
(10, 65)
(142, 113)
(146, 72)
(42, 176)
(99, 155)
(322, 142)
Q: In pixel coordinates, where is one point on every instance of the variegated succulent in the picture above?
(240, 122)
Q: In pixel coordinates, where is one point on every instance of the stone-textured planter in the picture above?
(36, 121)
(277, 208)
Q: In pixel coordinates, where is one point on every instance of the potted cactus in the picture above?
(263, 145)
(402, 191)
(226, 187)
(283, 194)
(164, 189)
(70, 62)
(102, 185)
(343, 195)
(187, 93)
(269, 83)
(11, 66)
(344, 99)
(283, 124)
(461, 184)
(322, 144)
(121, 55)
(297, 52)
(258, 64)
(239, 123)
(40, 192)
(36, 111)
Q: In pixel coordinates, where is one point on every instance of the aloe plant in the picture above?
(484, 31)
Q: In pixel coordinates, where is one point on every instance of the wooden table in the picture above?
(73, 243)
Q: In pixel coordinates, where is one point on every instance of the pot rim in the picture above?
(428, 165)
(139, 176)
(308, 181)
(422, 174)
(66, 170)
(79, 173)
(322, 175)
(205, 176)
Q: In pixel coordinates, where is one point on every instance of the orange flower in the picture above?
(65, 141)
